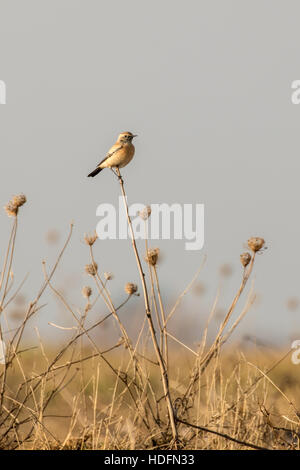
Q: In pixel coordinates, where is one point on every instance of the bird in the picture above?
(119, 155)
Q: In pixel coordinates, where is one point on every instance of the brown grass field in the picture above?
(151, 392)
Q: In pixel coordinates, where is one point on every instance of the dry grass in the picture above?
(154, 392)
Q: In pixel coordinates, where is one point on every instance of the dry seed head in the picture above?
(130, 288)
(145, 213)
(90, 239)
(256, 243)
(11, 209)
(91, 269)
(152, 256)
(245, 258)
(108, 276)
(19, 200)
(86, 292)
(12, 206)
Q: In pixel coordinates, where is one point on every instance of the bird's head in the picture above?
(125, 137)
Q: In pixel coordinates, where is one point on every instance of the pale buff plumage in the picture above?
(119, 155)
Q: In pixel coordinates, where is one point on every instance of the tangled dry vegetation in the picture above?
(141, 394)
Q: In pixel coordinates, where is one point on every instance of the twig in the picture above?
(164, 374)
(226, 436)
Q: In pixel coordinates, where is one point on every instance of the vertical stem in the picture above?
(162, 311)
(10, 253)
(164, 374)
(153, 291)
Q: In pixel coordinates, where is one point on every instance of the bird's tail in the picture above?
(95, 172)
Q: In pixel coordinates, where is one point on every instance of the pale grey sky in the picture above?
(207, 87)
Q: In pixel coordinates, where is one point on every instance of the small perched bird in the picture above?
(120, 154)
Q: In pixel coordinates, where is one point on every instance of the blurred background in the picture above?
(206, 85)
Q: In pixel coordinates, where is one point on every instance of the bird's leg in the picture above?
(119, 175)
(114, 173)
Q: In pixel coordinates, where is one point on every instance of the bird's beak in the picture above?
(135, 135)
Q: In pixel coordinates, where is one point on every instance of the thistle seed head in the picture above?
(11, 210)
(145, 213)
(256, 243)
(152, 256)
(108, 276)
(86, 292)
(19, 200)
(12, 207)
(90, 239)
(130, 288)
(91, 269)
(245, 258)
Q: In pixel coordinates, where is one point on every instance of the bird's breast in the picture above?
(125, 155)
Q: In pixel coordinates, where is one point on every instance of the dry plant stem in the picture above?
(32, 305)
(82, 320)
(11, 247)
(72, 341)
(235, 300)
(12, 235)
(162, 311)
(152, 290)
(90, 339)
(226, 436)
(279, 390)
(30, 311)
(188, 287)
(216, 343)
(250, 389)
(200, 367)
(13, 347)
(16, 292)
(211, 314)
(164, 373)
(110, 305)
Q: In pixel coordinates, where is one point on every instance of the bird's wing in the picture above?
(112, 150)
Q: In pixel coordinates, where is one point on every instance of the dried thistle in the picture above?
(256, 243)
(108, 276)
(130, 288)
(90, 239)
(152, 256)
(19, 200)
(91, 269)
(145, 213)
(11, 209)
(245, 258)
(86, 292)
